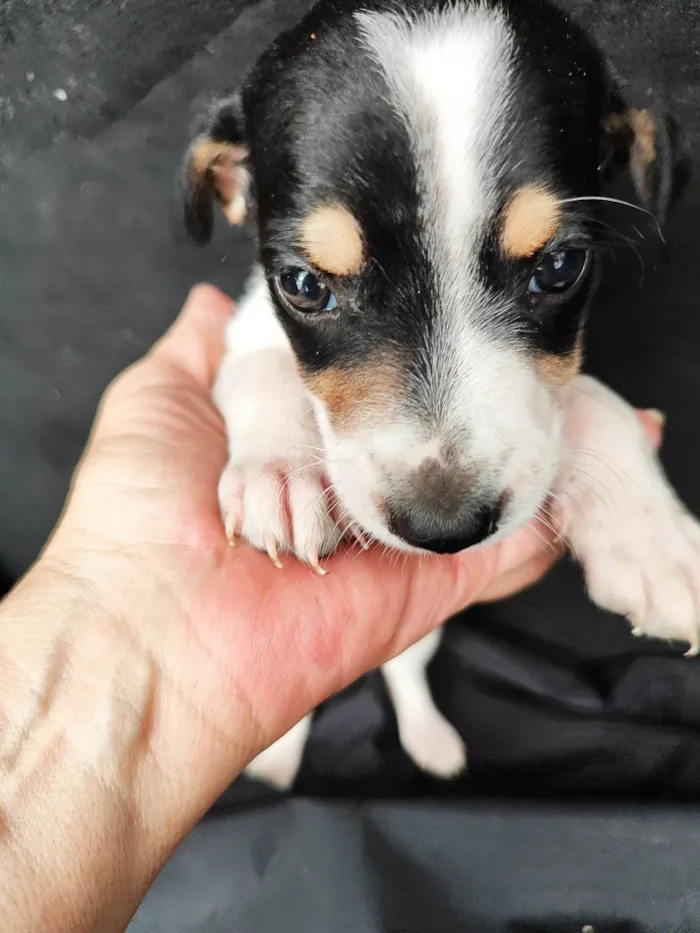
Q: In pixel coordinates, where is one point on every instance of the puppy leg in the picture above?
(273, 491)
(427, 737)
(639, 547)
(279, 764)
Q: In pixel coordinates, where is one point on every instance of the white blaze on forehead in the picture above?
(449, 78)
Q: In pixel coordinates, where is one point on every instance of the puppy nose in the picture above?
(433, 530)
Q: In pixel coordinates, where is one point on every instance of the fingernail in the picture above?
(657, 416)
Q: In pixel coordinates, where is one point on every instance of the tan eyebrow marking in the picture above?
(531, 219)
(332, 240)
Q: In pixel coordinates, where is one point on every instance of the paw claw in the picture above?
(232, 527)
(270, 543)
(278, 507)
(311, 558)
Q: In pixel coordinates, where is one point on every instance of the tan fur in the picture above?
(222, 162)
(332, 240)
(556, 371)
(530, 221)
(354, 394)
(641, 124)
(636, 130)
(644, 134)
(615, 123)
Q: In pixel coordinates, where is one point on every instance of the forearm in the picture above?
(88, 808)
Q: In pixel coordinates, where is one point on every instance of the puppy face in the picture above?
(422, 175)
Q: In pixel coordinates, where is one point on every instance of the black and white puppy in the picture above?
(424, 176)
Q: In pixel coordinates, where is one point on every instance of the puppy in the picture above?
(424, 177)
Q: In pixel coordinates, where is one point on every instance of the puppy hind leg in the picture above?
(432, 743)
(279, 764)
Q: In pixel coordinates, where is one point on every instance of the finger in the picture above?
(195, 342)
(500, 570)
(653, 422)
(527, 574)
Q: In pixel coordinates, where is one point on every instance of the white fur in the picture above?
(274, 444)
(279, 764)
(432, 742)
(639, 547)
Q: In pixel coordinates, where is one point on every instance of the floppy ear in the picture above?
(215, 168)
(648, 141)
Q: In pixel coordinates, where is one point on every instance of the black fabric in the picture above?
(567, 717)
(488, 867)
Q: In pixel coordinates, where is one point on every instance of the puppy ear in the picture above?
(648, 141)
(215, 168)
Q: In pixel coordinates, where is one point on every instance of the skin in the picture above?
(144, 662)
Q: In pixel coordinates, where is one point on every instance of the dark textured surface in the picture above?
(90, 270)
(391, 868)
(105, 55)
(554, 699)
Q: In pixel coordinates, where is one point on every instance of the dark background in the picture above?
(585, 744)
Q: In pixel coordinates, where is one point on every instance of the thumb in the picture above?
(441, 586)
(195, 342)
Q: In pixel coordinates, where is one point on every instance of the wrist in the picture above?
(94, 752)
(72, 699)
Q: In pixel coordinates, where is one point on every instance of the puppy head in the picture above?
(425, 177)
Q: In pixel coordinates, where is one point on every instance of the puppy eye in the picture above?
(558, 272)
(304, 291)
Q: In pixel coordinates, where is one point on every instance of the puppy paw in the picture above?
(279, 506)
(644, 563)
(639, 547)
(434, 745)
